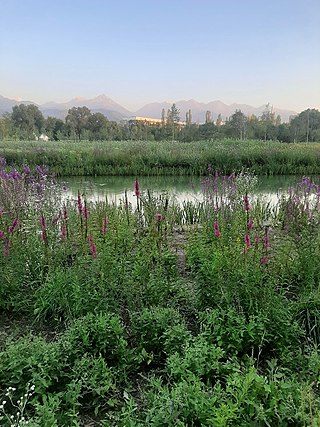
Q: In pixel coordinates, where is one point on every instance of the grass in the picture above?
(157, 314)
(165, 158)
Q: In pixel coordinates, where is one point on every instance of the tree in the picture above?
(54, 128)
(306, 126)
(77, 120)
(97, 126)
(28, 119)
(173, 118)
(219, 120)
(238, 124)
(208, 117)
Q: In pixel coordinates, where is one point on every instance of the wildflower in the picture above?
(136, 188)
(43, 228)
(13, 226)
(104, 226)
(158, 217)
(63, 232)
(216, 229)
(250, 225)
(26, 169)
(247, 241)
(79, 203)
(266, 242)
(2, 235)
(246, 203)
(263, 260)
(93, 247)
(56, 219)
(85, 213)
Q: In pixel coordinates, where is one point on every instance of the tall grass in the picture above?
(154, 314)
(165, 158)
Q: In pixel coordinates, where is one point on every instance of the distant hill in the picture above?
(199, 109)
(115, 111)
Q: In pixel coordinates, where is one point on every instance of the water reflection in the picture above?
(181, 188)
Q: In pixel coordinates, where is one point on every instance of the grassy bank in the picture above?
(165, 158)
(160, 315)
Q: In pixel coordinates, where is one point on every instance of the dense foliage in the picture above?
(26, 122)
(165, 158)
(156, 314)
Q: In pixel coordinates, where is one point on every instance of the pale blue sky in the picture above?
(249, 51)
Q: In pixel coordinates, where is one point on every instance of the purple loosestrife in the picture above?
(2, 235)
(158, 217)
(85, 213)
(43, 229)
(63, 231)
(7, 247)
(266, 242)
(136, 188)
(247, 241)
(93, 247)
(216, 229)
(13, 226)
(246, 203)
(104, 226)
(250, 224)
(263, 260)
(79, 204)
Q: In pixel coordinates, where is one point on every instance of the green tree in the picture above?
(77, 120)
(173, 119)
(97, 125)
(28, 119)
(54, 128)
(238, 124)
(306, 126)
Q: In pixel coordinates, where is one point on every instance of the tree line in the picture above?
(26, 122)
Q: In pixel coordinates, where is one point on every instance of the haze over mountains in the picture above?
(114, 111)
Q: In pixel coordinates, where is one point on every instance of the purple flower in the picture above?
(13, 226)
(85, 213)
(247, 241)
(250, 224)
(7, 248)
(136, 188)
(158, 217)
(2, 234)
(263, 260)
(246, 203)
(79, 203)
(93, 247)
(104, 226)
(216, 229)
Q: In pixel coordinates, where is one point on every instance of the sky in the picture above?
(244, 51)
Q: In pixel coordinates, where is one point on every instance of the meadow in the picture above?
(157, 314)
(134, 158)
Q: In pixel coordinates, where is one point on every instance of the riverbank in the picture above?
(154, 314)
(165, 158)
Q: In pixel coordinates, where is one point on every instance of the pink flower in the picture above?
(6, 248)
(158, 217)
(250, 224)
(65, 213)
(247, 241)
(266, 242)
(93, 247)
(263, 260)
(85, 213)
(104, 226)
(63, 232)
(2, 235)
(246, 203)
(216, 229)
(79, 203)
(13, 226)
(136, 188)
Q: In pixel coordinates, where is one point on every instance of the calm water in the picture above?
(181, 187)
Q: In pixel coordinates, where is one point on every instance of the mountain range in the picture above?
(114, 111)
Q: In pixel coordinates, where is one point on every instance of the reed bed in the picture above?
(153, 314)
(165, 158)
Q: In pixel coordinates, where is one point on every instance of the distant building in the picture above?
(43, 137)
(145, 120)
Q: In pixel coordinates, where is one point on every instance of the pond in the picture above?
(182, 188)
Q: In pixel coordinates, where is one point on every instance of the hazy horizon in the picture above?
(141, 52)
